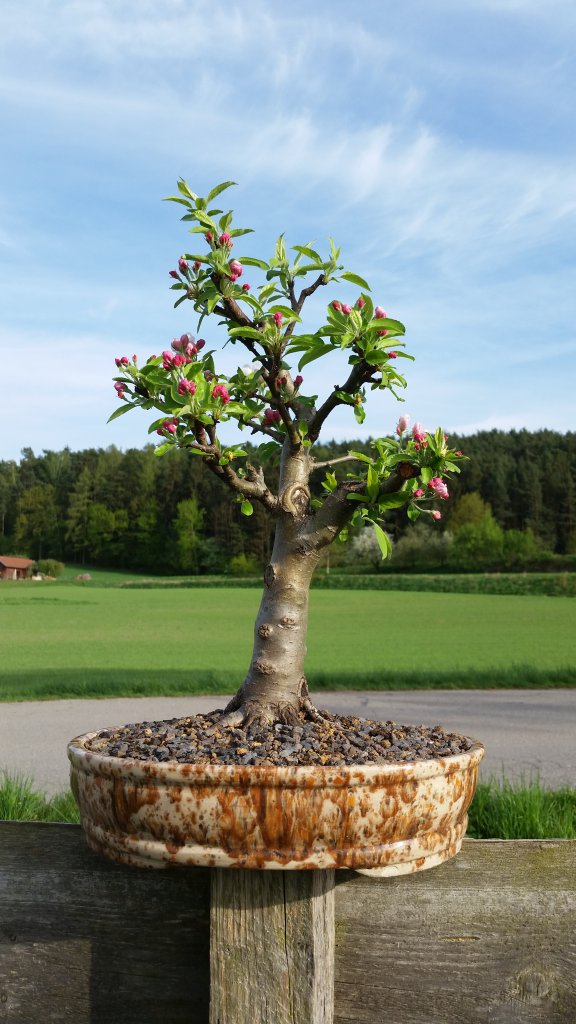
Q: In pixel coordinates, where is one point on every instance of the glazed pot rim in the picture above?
(308, 776)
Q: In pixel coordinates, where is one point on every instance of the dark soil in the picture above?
(335, 740)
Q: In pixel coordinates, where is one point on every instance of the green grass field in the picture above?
(61, 640)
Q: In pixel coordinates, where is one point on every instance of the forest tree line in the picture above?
(133, 510)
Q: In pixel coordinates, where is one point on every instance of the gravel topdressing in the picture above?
(336, 740)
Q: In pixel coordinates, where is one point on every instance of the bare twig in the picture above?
(334, 462)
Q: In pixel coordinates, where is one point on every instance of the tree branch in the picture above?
(337, 510)
(334, 462)
(359, 374)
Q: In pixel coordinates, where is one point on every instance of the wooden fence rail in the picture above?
(489, 938)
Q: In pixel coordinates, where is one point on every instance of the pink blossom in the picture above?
(245, 287)
(174, 273)
(379, 313)
(280, 382)
(182, 265)
(418, 493)
(225, 239)
(360, 304)
(180, 344)
(402, 424)
(219, 391)
(437, 485)
(179, 360)
(346, 308)
(418, 432)
(170, 426)
(337, 305)
(436, 514)
(186, 387)
(236, 269)
(191, 350)
(278, 319)
(271, 416)
(120, 388)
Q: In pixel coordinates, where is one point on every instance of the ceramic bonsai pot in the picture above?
(377, 819)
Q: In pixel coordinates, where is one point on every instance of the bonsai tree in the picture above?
(269, 399)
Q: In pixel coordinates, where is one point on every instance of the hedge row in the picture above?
(548, 584)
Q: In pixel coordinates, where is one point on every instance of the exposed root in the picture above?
(260, 715)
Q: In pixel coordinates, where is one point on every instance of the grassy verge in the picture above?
(500, 810)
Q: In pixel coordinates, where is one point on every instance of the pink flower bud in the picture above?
(182, 265)
(118, 363)
(392, 355)
(119, 387)
(418, 432)
(245, 287)
(186, 387)
(236, 269)
(174, 273)
(200, 343)
(225, 239)
(196, 265)
(379, 313)
(191, 350)
(346, 308)
(418, 493)
(209, 236)
(125, 361)
(298, 380)
(337, 305)
(271, 416)
(436, 514)
(278, 319)
(208, 375)
(360, 304)
(440, 489)
(219, 391)
(402, 425)
(382, 333)
(458, 453)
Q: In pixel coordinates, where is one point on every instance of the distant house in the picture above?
(14, 568)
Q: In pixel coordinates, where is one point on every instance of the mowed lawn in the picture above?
(65, 640)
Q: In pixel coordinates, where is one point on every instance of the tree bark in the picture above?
(275, 686)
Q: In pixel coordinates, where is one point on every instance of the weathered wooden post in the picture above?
(272, 947)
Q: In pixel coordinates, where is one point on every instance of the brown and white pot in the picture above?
(376, 819)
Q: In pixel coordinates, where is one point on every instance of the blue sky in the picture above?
(434, 141)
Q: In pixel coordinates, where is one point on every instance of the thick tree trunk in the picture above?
(275, 686)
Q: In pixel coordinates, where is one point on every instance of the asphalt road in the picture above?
(525, 732)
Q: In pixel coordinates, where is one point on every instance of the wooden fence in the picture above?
(489, 938)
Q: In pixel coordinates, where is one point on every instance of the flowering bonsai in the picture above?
(269, 399)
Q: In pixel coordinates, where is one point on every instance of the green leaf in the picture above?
(250, 261)
(121, 410)
(180, 300)
(314, 353)
(355, 279)
(163, 448)
(184, 189)
(372, 484)
(236, 232)
(305, 250)
(359, 413)
(383, 539)
(216, 190)
(361, 457)
(413, 513)
(246, 507)
(245, 332)
(386, 323)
